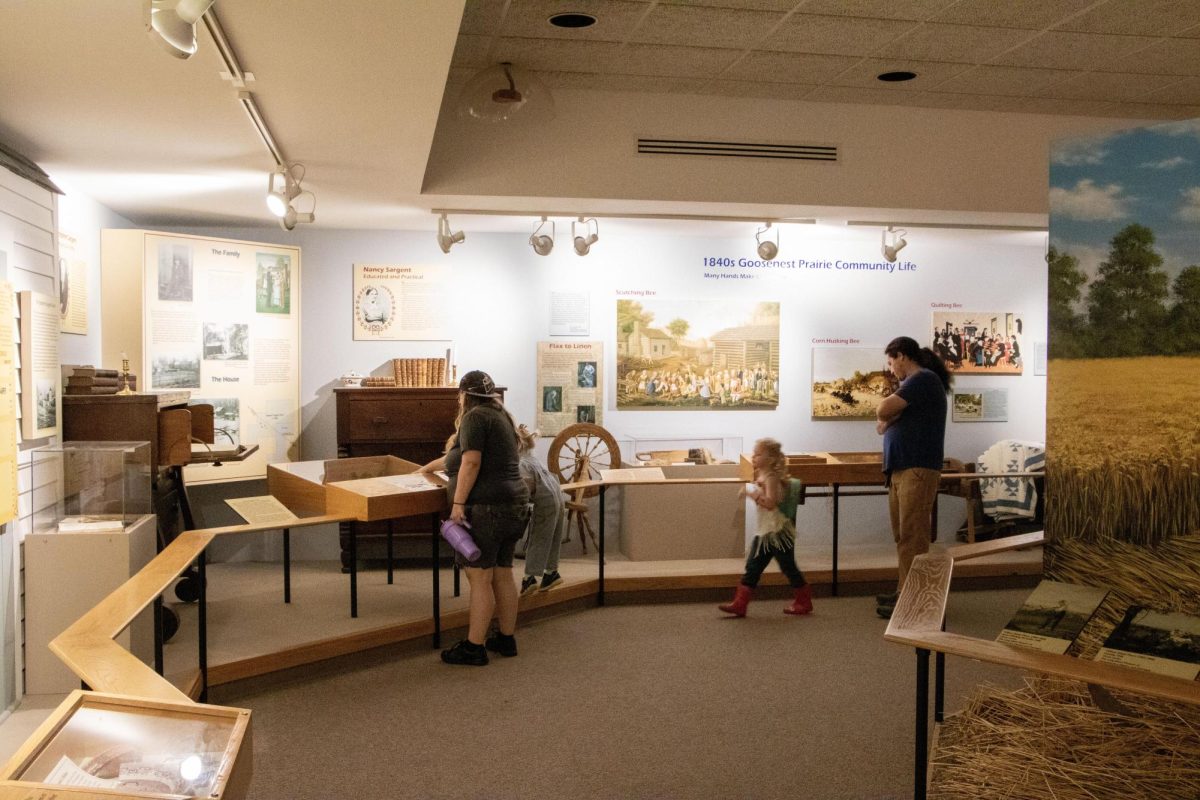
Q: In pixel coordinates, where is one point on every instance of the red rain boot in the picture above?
(802, 604)
(740, 600)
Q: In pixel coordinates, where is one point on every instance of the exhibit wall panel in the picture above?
(28, 225)
(501, 308)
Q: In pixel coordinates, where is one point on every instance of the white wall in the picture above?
(501, 310)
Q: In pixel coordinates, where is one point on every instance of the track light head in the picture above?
(540, 242)
(767, 250)
(583, 243)
(891, 251)
(447, 238)
(282, 189)
(174, 23)
(289, 220)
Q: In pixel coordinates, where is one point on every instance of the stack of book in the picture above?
(378, 380)
(420, 371)
(92, 380)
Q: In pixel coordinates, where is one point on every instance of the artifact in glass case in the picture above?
(90, 487)
(137, 747)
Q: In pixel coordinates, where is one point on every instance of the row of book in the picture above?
(93, 380)
(1055, 613)
(412, 372)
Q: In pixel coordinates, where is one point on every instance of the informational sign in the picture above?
(222, 319)
(394, 302)
(570, 388)
(72, 286)
(8, 411)
(41, 376)
(570, 314)
(980, 405)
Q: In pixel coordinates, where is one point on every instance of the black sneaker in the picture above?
(885, 612)
(887, 599)
(550, 580)
(528, 585)
(504, 645)
(473, 655)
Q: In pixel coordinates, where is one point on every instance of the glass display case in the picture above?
(90, 487)
(662, 451)
(139, 747)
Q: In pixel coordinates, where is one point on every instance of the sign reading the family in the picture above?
(395, 302)
(697, 354)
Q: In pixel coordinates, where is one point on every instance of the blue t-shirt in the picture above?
(916, 438)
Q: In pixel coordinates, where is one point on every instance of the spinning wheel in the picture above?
(578, 453)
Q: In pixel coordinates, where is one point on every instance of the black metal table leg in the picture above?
(833, 587)
(287, 565)
(185, 503)
(202, 624)
(390, 534)
(939, 683)
(354, 570)
(600, 546)
(921, 741)
(457, 584)
(158, 635)
(437, 581)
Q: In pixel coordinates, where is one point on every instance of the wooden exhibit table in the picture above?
(918, 621)
(368, 489)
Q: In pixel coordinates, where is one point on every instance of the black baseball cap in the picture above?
(478, 383)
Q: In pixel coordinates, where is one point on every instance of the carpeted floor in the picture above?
(652, 701)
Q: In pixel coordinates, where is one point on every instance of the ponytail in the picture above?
(922, 356)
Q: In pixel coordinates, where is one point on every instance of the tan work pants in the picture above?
(910, 502)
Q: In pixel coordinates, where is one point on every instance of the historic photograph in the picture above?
(175, 272)
(967, 406)
(175, 371)
(552, 398)
(586, 375)
(226, 341)
(273, 283)
(227, 421)
(697, 354)
(47, 404)
(585, 413)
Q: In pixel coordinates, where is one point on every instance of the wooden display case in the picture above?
(370, 489)
(106, 745)
(826, 469)
(409, 423)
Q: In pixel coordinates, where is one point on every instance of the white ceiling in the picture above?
(354, 90)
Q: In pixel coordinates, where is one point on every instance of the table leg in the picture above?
(437, 581)
(921, 740)
(390, 535)
(354, 570)
(202, 624)
(287, 565)
(158, 634)
(600, 546)
(833, 588)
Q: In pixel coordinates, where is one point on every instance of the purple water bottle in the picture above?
(460, 539)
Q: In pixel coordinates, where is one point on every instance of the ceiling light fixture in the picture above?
(767, 250)
(447, 238)
(572, 20)
(541, 243)
(283, 189)
(583, 244)
(174, 22)
(891, 251)
(503, 91)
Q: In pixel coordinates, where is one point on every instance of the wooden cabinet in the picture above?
(412, 424)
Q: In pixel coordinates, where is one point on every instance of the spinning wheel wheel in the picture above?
(578, 453)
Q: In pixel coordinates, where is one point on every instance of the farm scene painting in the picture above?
(849, 382)
(1123, 445)
(697, 355)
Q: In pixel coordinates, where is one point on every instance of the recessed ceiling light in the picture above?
(896, 77)
(572, 20)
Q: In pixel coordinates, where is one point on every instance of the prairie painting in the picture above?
(849, 382)
(697, 355)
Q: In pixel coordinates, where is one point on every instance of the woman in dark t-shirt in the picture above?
(486, 493)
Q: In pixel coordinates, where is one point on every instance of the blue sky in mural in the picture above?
(1150, 176)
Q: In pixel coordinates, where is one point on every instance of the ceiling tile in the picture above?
(990, 102)
(755, 5)
(854, 94)
(1137, 17)
(615, 19)
(938, 100)
(965, 43)
(1003, 81)
(774, 91)
(1186, 90)
(554, 55)
(849, 36)
(482, 17)
(789, 67)
(682, 62)
(1082, 108)
(470, 52)
(1027, 14)
(614, 83)
(880, 9)
(1164, 57)
(1150, 111)
(715, 27)
(1112, 86)
(1064, 50)
(929, 74)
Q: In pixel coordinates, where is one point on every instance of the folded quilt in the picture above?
(1006, 498)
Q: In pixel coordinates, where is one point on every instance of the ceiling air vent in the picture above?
(794, 152)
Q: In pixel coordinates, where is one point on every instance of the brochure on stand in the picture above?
(1168, 644)
(1052, 616)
